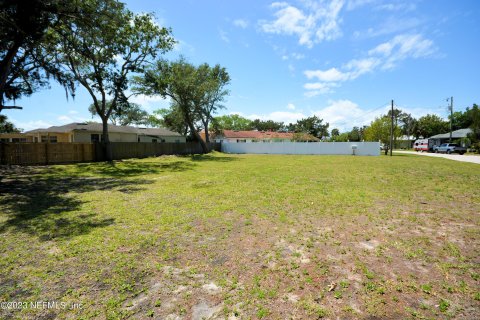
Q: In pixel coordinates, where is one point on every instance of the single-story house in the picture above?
(238, 136)
(445, 137)
(92, 132)
(405, 142)
(15, 137)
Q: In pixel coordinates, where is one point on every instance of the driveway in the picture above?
(456, 157)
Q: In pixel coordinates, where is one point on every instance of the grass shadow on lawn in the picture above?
(44, 205)
(132, 168)
(211, 157)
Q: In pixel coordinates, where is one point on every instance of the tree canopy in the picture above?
(125, 113)
(266, 125)
(196, 92)
(6, 126)
(103, 54)
(25, 65)
(430, 125)
(311, 125)
(231, 122)
(379, 130)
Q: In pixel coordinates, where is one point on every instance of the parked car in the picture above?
(450, 148)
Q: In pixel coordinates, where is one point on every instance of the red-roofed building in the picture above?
(260, 136)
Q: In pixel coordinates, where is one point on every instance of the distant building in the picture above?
(237, 136)
(438, 139)
(92, 132)
(15, 137)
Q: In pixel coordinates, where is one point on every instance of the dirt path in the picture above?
(456, 157)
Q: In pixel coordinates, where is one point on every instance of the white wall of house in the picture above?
(340, 148)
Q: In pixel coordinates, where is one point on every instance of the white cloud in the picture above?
(183, 46)
(317, 88)
(31, 125)
(65, 119)
(402, 47)
(241, 23)
(397, 6)
(344, 114)
(295, 56)
(358, 67)
(385, 56)
(354, 4)
(332, 74)
(279, 116)
(317, 22)
(150, 103)
(290, 106)
(224, 36)
(393, 24)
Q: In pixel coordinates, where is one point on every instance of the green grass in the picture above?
(259, 236)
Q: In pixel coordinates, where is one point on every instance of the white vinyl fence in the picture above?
(341, 148)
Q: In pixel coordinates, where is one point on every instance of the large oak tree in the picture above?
(102, 55)
(196, 92)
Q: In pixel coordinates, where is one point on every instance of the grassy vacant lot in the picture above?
(247, 236)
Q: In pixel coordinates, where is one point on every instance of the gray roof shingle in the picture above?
(457, 134)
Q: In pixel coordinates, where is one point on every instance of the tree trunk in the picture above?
(189, 122)
(204, 145)
(107, 147)
(207, 134)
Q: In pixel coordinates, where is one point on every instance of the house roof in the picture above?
(462, 133)
(262, 135)
(97, 127)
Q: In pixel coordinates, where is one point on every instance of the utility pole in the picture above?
(451, 118)
(391, 133)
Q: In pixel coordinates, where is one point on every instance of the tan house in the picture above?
(15, 137)
(92, 132)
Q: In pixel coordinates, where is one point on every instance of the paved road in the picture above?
(456, 157)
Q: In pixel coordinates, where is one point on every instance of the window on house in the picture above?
(44, 138)
(94, 137)
(241, 140)
(53, 139)
(19, 139)
(154, 140)
(4, 140)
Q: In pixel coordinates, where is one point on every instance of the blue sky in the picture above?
(343, 60)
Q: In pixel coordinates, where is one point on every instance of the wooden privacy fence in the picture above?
(127, 150)
(45, 153)
(54, 153)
